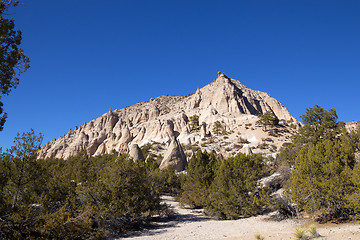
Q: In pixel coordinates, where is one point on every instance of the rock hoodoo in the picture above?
(174, 157)
(135, 153)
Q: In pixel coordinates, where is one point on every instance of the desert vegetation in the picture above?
(226, 189)
(86, 194)
(97, 197)
(319, 172)
(194, 122)
(325, 170)
(78, 198)
(218, 128)
(268, 119)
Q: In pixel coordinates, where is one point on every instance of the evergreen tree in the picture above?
(13, 62)
(200, 174)
(351, 139)
(217, 128)
(80, 198)
(194, 122)
(319, 124)
(353, 195)
(124, 190)
(268, 119)
(21, 184)
(233, 191)
(167, 181)
(322, 179)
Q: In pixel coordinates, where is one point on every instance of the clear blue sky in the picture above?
(89, 56)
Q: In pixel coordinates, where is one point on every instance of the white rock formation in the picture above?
(352, 126)
(174, 156)
(135, 153)
(225, 100)
(247, 150)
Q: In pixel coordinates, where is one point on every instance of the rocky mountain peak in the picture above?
(231, 96)
(161, 119)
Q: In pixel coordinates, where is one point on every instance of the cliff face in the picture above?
(225, 100)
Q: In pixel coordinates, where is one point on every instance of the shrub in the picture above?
(268, 139)
(312, 230)
(263, 146)
(80, 198)
(273, 133)
(243, 140)
(238, 146)
(299, 233)
(273, 148)
(167, 181)
(321, 180)
(353, 195)
(268, 119)
(217, 128)
(258, 237)
(325, 176)
(194, 122)
(200, 175)
(233, 189)
(195, 147)
(286, 208)
(145, 149)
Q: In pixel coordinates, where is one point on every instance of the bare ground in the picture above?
(193, 224)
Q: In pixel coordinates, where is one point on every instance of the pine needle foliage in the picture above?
(200, 175)
(78, 198)
(325, 175)
(233, 191)
(322, 179)
(268, 119)
(218, 128)
(194, 122)
(13, 61)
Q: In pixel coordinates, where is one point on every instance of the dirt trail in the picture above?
(190, 224)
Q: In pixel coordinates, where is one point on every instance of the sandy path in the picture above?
(190, 224)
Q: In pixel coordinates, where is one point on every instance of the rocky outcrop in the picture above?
(247, 150)
(352, 126)
(227, 95)
(161, 119)
(174, 156)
